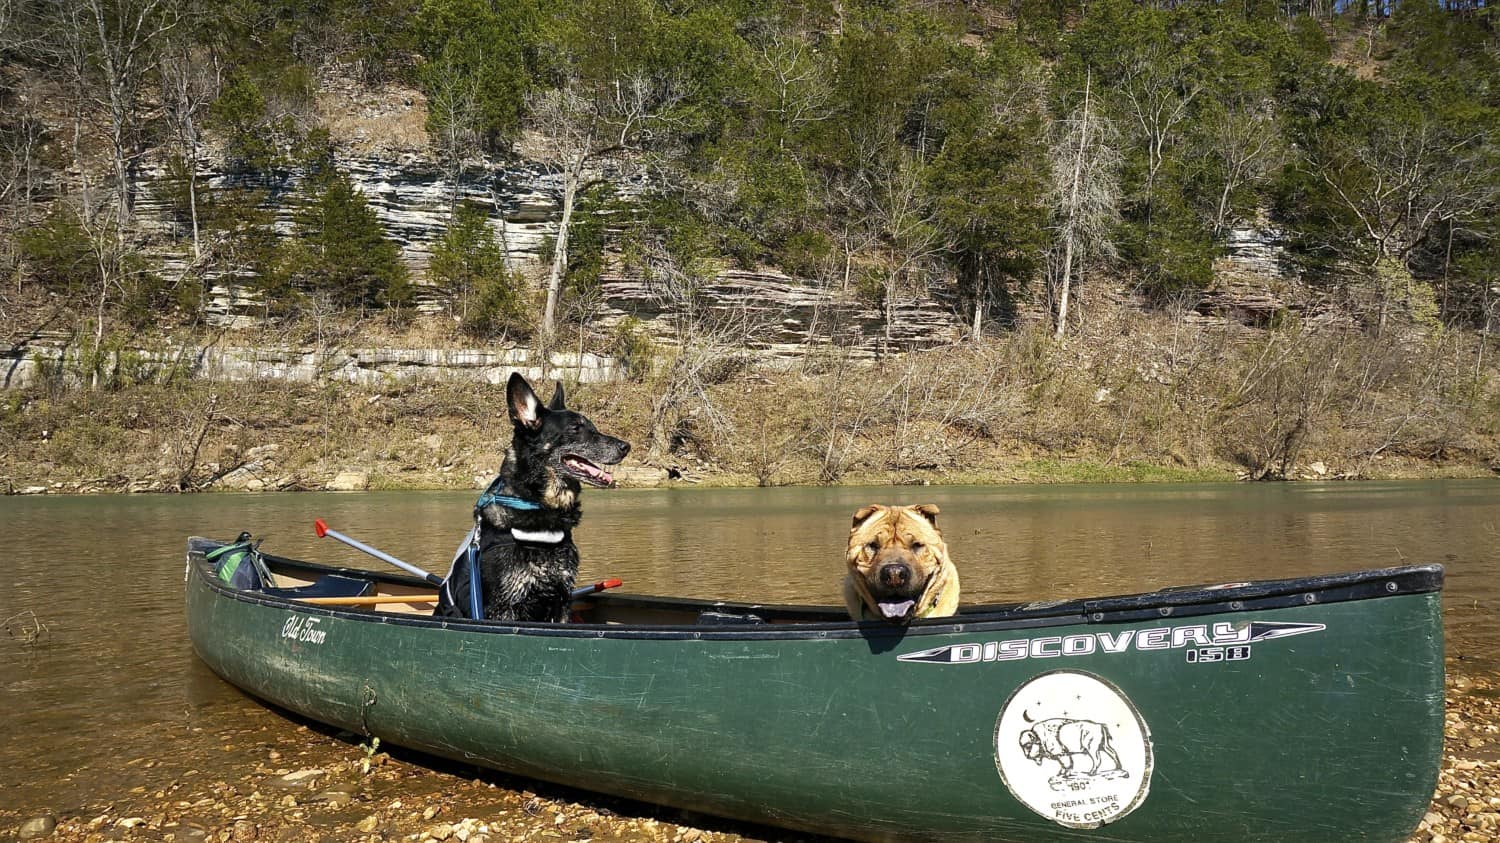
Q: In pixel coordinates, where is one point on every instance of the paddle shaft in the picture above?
(377, 599)
(324, 530)
(371, 600)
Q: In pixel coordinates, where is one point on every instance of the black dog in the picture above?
(527, 559)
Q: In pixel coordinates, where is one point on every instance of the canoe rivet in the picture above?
(599, 634)
(822, 635)
(1098, 616)
(1236, 605)
(1164, 611)
(697, 636)
(1391, 587)
(1309, 598)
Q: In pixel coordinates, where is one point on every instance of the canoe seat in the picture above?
(714, 617)
(328, 585)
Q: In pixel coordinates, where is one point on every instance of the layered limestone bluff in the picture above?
(774, 316)
(49, 358)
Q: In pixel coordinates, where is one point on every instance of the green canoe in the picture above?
(1307, 709)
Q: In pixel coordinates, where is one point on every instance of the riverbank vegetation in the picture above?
(1065, 177)
(1133, 398)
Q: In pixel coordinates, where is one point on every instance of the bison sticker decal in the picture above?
(1072, 748)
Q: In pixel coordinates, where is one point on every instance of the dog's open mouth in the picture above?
(587, 471)
(893, 610)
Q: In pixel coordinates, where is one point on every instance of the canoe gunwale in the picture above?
(1182, 602)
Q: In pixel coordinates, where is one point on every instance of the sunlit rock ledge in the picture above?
(363, 366)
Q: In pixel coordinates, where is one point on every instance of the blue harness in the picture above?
(490, 496)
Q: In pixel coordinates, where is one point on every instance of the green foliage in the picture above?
(1173, 256)
(770, 197)
(888, 68)
(778, 133)
(632, 346)
(988, 186)
(343, 251)
(588, 240)
(469, 265)
(59, 253)
(71, 260)
(479, 55)
(256, 140)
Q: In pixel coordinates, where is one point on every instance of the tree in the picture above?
(479, 57)
(258, 138)
(580, 128)
(1148, 68)
(123, 42)
(988, 184)
(345, 251)
(794, 84)
(1085, 198)
(469, 265)
(454, 118)
(908, 235)
(189, 84)
(1383, 171)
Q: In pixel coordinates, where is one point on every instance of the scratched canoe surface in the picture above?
(1277, 711)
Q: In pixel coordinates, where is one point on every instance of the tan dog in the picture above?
(898, 566)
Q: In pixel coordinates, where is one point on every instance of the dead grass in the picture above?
(1131, 397)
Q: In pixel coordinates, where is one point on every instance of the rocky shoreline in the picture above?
(310, 784)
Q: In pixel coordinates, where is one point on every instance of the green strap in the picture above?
(232, 564)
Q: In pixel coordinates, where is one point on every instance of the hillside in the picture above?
(1197, 241)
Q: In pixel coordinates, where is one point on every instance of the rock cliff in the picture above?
(778, 315)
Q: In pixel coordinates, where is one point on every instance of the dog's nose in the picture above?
(895, 575)
(624, 449)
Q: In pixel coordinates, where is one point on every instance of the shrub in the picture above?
(347, 254)
(59, 253)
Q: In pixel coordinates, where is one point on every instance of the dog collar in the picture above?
(538, 536)
(507, 501)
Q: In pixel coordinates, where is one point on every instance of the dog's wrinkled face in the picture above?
(893, 552)
(565, 445)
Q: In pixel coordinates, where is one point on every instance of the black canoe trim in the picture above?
(1180, 602)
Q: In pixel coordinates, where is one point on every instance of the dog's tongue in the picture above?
(896, 610)
(594, 471)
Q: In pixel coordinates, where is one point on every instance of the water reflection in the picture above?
(115, 678)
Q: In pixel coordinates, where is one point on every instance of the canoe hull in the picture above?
(1326, 726)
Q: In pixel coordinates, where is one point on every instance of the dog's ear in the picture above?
(557, 399)
(928, 511)
(863, 514)
(525, 408)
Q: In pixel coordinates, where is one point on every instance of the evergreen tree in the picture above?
(344, 251)
(468, 264)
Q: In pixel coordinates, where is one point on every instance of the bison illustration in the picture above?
(1060, 738)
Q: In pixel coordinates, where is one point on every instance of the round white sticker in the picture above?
(1072, 748)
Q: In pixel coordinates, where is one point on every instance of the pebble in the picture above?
(367, 825)
(37, 827)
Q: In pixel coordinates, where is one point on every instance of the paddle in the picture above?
(377, 599)
(322, 530)
(586, 590)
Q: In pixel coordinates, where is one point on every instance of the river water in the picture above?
(110, 699)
